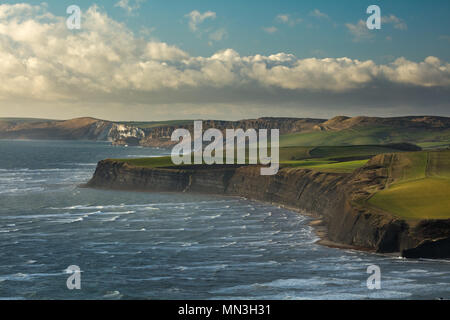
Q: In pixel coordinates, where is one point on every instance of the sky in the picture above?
(192, 59)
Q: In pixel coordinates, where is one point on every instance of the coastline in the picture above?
(335, 201)
(317, 223)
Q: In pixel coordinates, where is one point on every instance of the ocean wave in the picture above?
(113, 295)
(27, 276)
(110, 219)
(15, 191)
(28, 170)
(69, 220)
(150, 206)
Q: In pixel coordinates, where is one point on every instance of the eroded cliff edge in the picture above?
(339, 200)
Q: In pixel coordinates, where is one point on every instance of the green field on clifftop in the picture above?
(418, 187)
(369, 135)
(155, 162)
(327, 159)
(339, 159)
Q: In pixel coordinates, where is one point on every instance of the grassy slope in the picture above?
(327, 166)
(419, 187)
(344, 159)
(321, 158)
(368, 135)
(149, 162)
(25, 120)
(154, 124)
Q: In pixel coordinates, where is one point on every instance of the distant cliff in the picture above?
(144, 134)
(159, 136)
(356, 130)
(75, 129)
(337, 199)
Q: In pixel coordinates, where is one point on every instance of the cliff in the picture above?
(339, 200)
(74, 129)
(146, 134)
(157, 134)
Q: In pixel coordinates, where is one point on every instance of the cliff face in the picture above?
(75, 129)
(338, 199)
(126, 134)
(160, 136)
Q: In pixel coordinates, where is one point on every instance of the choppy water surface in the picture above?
(169, 246)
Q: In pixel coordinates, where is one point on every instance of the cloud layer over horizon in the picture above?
(41, 61)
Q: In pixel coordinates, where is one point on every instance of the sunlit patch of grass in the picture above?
(421, 199)
(155, 162)
(420, 187)
(327, 166)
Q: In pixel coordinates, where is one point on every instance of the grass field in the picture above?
(155, 162)
(334, 152)
(408, 167)
(419, 186)
(327, 159)
(343, 159)
(421, 199)
(154, 124)
(368, 135)
(26, 120)
(434, 145)
(342, 152)
(327, 166)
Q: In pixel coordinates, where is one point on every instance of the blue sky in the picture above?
(427, 33)
(154, 59)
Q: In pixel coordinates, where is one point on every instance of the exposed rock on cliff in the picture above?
(431, 249)
(75, 129)
(160, 136)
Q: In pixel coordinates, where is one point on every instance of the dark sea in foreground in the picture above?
(170, 246)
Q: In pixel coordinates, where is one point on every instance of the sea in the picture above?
(137, 245)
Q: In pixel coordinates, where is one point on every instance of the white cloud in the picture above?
(161, 51)
(196, 18)
(287, 19)
(359, 31)
(218, 35)
(395, 21)
(283, 18)
(318, 14)
(270, 30)
(42, 61)
(129, 5)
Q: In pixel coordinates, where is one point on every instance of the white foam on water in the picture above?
(115, 212)
(113, 295)
(110, 219)
(8, 230)
(67, 221)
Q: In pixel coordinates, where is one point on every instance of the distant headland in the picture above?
(380, 184)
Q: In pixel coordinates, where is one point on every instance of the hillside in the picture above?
(74, 129)
(343, 159)
(417, 187)
(425, 131)
(134, 133)
(85, 128)
(338, 200)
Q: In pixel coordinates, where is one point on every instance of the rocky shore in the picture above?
(337, 201)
